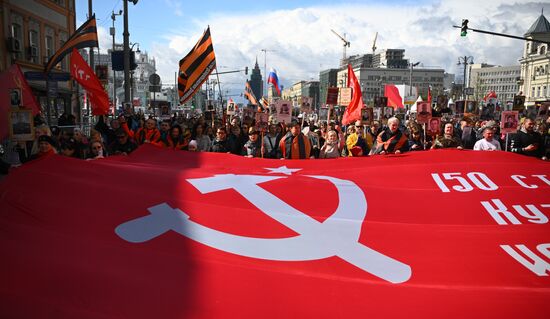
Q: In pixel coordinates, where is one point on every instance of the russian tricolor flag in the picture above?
(274, 79)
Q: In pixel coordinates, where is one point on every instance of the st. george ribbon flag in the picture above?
(172, 234)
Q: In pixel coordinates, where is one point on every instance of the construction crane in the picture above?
(346, 44)
(374, 44)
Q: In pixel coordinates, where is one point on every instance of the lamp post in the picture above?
(265, 68)
(126, 35)
(132, 84)
(411, 76)
(112, 32)
(465, 60)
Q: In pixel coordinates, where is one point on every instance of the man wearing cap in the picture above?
(122, 145)
(295, 145)
(487, 143)
(253, 147)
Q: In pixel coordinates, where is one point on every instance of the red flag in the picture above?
(490, 95)
(13, 78)
(86, 77)
(353, 111)
(394, 98)
(430, 95)
(209, 231)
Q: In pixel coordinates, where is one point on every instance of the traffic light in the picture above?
(464, 28)
(246, 70)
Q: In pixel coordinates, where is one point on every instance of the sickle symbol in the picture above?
(337, 236)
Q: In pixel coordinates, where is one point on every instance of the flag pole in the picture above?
(425, 143)
(262, 144)
(219, 86)
(506, 146)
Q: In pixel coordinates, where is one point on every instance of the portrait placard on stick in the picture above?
(305, 104)
(509, 122)
(424, 112)
(21, 124)
(345, 96)
(284, 112)
(332, 95)
(434, 127)
(16, 98)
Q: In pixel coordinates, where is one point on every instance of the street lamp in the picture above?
(126, 35)
(132, 75)
(465, 60)
(411, 76)
(112, 32)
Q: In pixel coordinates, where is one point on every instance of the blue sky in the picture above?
(299, 32)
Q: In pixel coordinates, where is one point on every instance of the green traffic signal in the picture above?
(464, 28)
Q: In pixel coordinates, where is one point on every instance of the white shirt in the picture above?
(484, 145)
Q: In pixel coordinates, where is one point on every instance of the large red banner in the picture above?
(172, 234)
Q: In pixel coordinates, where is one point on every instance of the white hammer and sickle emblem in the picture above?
(338, 235)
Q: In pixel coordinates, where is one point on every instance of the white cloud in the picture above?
(105, 40)
(304, 44)
(175, 6)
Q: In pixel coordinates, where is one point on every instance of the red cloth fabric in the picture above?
(353, 110)
(490, 95)
(62, 257)
(394, 98)
(86, 77)
(13, 78)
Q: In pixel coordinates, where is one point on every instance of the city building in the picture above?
(32, 31)
(535, 62)
(311, 89)
(391, 59)
(372, 80)
(293, 93)
(484, 78)
(359, 61)
(448, 81)
(139, 87)
(256, 83)
(327, 78)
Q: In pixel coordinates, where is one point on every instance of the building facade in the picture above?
(372, 80)
(311, 89)
(503, 80)
(327, 78)
(535, 63)
(256, 83)
(139, 86)
(390, 58)
(32, 31)
(293, 93)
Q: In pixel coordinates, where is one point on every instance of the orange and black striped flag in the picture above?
(249, 95)
(85, 36)
(195, 67)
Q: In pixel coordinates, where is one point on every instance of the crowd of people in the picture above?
(296, 140)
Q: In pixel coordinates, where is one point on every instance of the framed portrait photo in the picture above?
(21, 125)
(16, 99)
